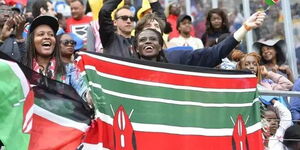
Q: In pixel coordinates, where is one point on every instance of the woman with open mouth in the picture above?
(44, 57)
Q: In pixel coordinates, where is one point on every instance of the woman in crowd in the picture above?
(67, 45)
(216, 25)
(267, 79)
(273, 56)
(43, 55)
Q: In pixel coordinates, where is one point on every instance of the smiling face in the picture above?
(44, 40)
(268, 53)
(148, 44)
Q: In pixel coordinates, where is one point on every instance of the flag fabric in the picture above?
(147, 105)
(271, 2)
(14, 90)
(55, 116)
(58, 118)
(14, 2)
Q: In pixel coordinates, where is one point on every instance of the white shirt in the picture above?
(194, 42)
(275, 141)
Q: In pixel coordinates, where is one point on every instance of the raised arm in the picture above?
(157, 8)
(285, 117)
(106, 29)
(212, 56)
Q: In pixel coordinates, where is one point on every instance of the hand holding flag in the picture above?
(270, 3)
(255, 20)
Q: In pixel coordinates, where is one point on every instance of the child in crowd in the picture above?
(276, 119)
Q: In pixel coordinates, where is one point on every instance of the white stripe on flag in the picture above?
(28, 120)
(125, 63)
(179, 130)
(167, 85)
(58, 119)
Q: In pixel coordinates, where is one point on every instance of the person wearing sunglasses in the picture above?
(119, 42)
(66, 45)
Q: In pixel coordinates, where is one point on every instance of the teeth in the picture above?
(46, 44)
(148, 47)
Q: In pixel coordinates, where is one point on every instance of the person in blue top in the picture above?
(148, 44)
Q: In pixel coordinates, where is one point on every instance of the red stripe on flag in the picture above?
(168, 78)
(28, 104)
(49, 135)
(163, 141)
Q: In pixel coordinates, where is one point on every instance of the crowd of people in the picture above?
(47, 42)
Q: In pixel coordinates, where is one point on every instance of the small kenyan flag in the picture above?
(271, 2)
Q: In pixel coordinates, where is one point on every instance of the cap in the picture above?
(44, 20)
(181, 18)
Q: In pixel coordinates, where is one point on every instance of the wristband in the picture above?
(247, 27)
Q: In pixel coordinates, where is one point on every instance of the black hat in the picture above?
(291, 135)
(277, 43)
(181, 18)
(47, 20)
(16, 9)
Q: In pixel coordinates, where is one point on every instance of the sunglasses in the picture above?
(67, 42)
(125, 18)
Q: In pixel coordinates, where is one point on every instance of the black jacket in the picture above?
(12, 48)
(113, 43)
(206, 57)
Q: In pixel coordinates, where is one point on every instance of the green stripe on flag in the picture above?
(170, 93)
(271, 2)
(177, 115)
(11, 112)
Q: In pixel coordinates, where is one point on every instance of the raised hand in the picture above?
(20, 21)
(7, 29)
(263, 71)
(255, 20)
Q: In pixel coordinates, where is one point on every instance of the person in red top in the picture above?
(174, 12)
(79, 22)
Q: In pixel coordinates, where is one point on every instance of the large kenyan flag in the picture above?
(146, 105)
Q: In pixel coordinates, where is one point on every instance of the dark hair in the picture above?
(148, 18)
(31, 54)
(270, 108)
(221, 13)
(124, 7)
(222, 37)
(161, 56)
(80, 1)
(37, 5)
(280, 56)
(59, 16)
